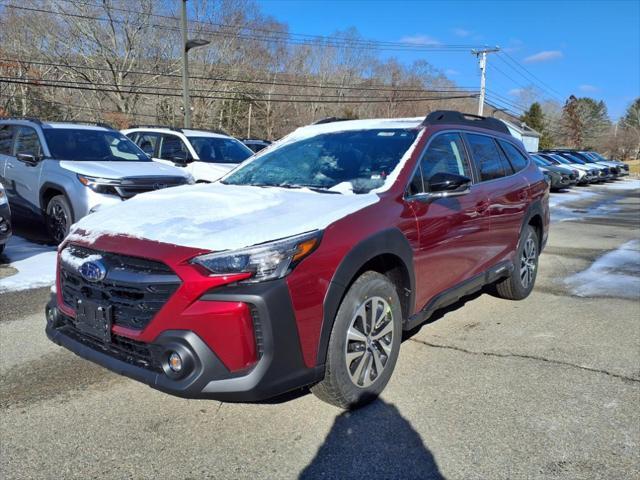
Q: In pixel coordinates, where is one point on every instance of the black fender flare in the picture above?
(535, 208)
(390, 241)
(47, 185)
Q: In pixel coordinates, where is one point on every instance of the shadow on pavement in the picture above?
(373, 442)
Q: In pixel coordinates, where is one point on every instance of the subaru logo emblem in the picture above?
(93, 271)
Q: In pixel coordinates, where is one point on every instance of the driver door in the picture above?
(453, 231)
(23, 177)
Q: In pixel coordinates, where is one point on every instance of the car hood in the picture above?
(123, 169)
(220, 217)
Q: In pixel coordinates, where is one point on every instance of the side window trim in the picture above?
(474, 177)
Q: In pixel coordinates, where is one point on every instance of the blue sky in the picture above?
(585, 48)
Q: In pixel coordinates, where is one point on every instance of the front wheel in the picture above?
(58, 218)
(521, 281)
(364, 343)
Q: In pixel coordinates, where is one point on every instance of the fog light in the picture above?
(175, 362)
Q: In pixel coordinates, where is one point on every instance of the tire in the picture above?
(59, 218)
(352, 385)
(1, 248)
(520, 283)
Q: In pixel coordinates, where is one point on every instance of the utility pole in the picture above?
(187, 45)
(482, 62)
(249, 123)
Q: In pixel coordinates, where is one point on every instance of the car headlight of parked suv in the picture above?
(100, 185)
(3, 196)
(264, 262)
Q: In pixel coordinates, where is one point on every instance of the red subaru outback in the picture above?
(303, 266)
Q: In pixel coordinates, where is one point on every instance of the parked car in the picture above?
(624, 167)
(604, 171)
(206, 155)
(614, 167)
(5, 219)
(592, 174)
(559, 177)
(255, 144)
(62, 171)
(304, 266)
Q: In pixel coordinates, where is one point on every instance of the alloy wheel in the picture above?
(528, 262)
(369, 341)
(58, 222)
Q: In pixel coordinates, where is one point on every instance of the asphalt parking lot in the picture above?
(548, 387)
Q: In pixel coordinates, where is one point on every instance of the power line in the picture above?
(14, 80)
(236, 80)
(283, 36)
(528, 76)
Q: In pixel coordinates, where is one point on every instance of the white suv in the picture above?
(64, 171)
(206, 155)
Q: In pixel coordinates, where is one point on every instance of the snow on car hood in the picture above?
(220, 217)
(122, 169)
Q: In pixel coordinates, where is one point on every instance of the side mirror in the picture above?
(443, 184)
(181, 161)
(28, 158)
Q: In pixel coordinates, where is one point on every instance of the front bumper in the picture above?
(279, 369)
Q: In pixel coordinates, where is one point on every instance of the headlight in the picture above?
(267, 261)
(100, 185)
(3, 196)
(190, 179)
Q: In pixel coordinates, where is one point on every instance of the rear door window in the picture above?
(6, 139)
(173, 148)
(515, 156)
(27, 142)
(488, 158)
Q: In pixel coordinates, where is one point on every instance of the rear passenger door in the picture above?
(506, 189)
(453, 231)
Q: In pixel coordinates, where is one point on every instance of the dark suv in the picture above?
(304, 266)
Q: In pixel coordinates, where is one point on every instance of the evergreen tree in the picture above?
(534, 118)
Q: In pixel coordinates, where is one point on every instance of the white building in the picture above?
(527, 135)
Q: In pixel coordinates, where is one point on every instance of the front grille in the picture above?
(133, 186)
(135, 288)
(121, 348)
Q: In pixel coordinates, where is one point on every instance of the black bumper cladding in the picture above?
(280, 368)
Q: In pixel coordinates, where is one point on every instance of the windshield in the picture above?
(220, 150)
(571, 158)
(356, 161)
(83, 144)
(541, 161)
(560, 158)
(596, 156)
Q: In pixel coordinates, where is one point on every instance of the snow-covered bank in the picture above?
(615, 274)
(36, 265)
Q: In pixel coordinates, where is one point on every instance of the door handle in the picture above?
(482, 206)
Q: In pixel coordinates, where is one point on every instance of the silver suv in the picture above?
(64, 171)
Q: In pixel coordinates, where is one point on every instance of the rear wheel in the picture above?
(521, 281)
(58, 218)
(364, 343)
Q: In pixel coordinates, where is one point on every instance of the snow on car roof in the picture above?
(347, 125)
(186, 132)
(77, 126)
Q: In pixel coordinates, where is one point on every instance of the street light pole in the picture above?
(185, 69)
(186, 46)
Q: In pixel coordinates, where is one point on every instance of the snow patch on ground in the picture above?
(624, 184)
(36, 265)
(615, 274)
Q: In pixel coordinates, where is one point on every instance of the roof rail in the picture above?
(30, 119)
(322, 121)
(177, 129)
(440, 117)
(91, 122)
